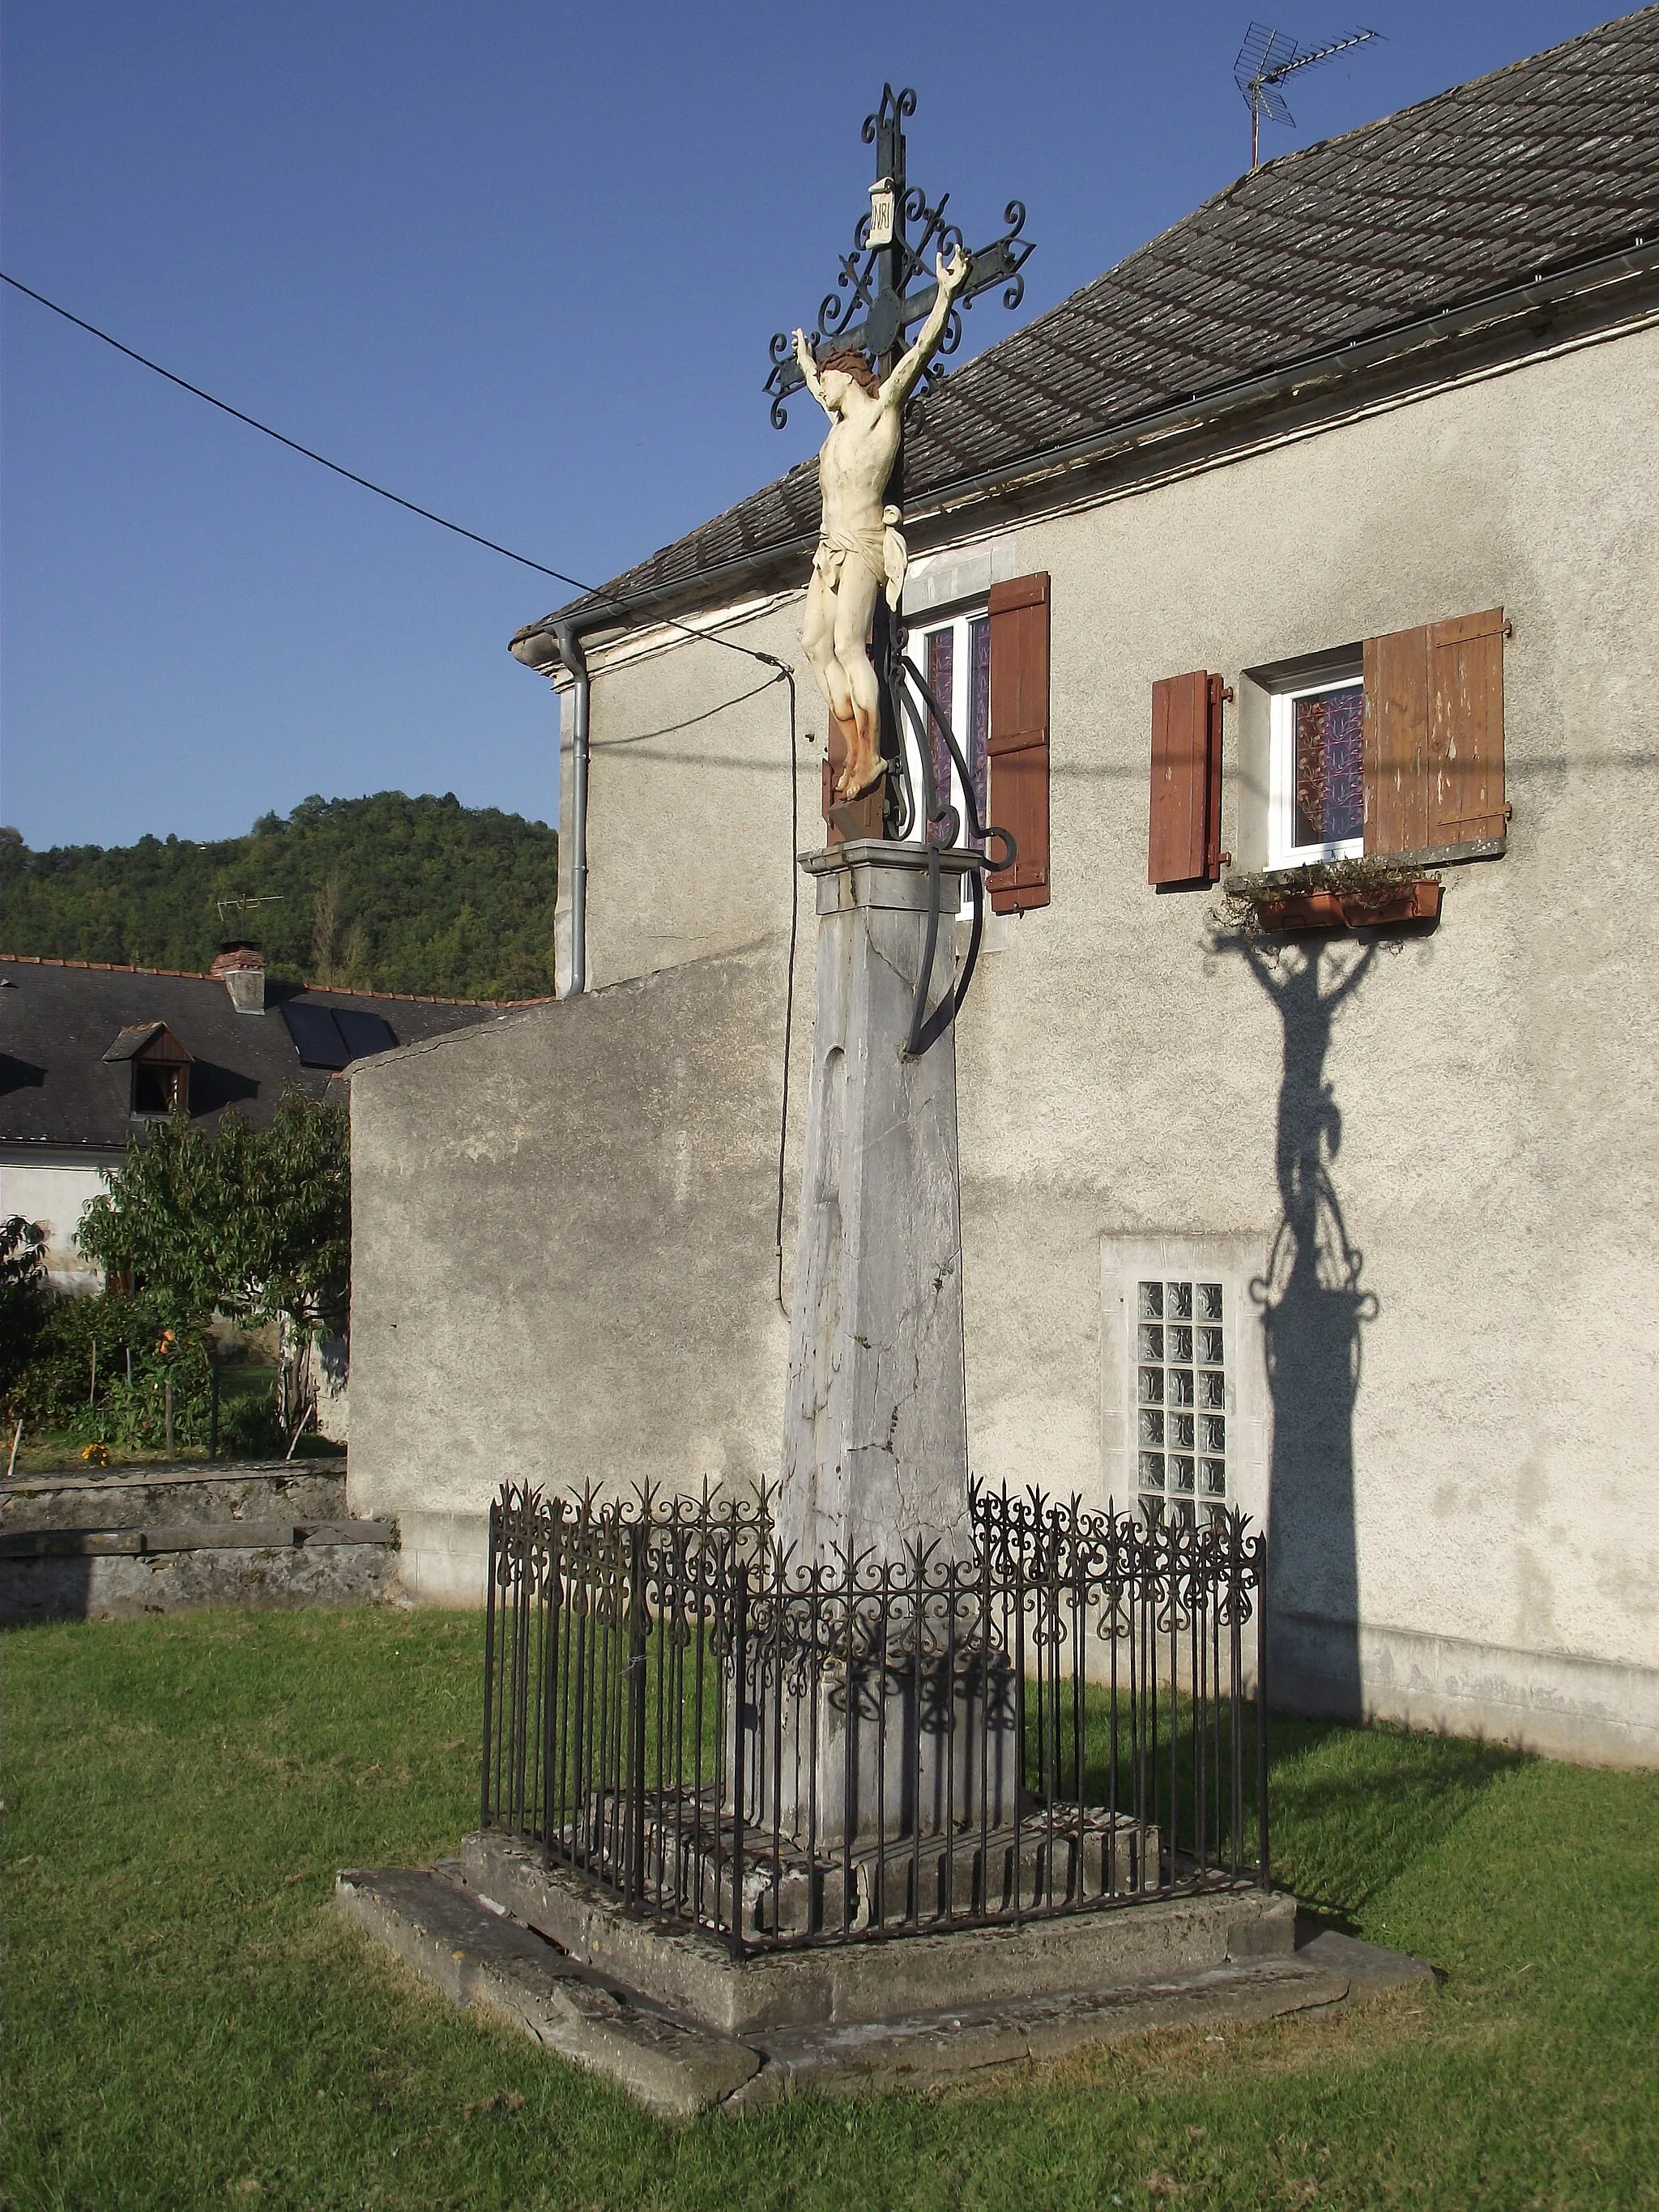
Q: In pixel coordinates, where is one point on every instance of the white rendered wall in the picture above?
(53, 1192)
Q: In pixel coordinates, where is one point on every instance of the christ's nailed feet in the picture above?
(855, 784)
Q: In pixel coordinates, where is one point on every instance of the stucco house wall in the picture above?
(53, 1191)
(1480, 1541)
(1451, 1442)
(563, 1262)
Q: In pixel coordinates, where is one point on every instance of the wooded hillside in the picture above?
(385, 894)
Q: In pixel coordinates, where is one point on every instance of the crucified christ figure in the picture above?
(859, 549)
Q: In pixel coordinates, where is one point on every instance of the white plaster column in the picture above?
(875, 1448)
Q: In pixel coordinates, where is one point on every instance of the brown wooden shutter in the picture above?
(1183, 840)
(1019, 739)
(1434, 736)
(1465, 729)
(1395, 744)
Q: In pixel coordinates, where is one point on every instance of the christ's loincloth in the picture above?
(880, 548)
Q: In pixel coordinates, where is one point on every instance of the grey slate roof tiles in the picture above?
(60, 1026)
(1544, 163)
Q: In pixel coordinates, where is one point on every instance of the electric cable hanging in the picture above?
(592, 591)
(789, 991)
(673, 729)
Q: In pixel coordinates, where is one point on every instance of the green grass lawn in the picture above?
(191, 2023)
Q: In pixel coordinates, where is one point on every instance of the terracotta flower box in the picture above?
(1366, 909)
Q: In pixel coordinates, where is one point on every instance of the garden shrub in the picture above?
(101, 1368)
(249, 1426)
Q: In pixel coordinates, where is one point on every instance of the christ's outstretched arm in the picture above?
(809, 369)
(952, 275)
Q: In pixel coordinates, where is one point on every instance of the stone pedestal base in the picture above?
(891, 1748)
(875, 1444)
(694, 1974)
(694, 1862)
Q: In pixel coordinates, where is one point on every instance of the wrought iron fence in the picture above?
(1064, 1715)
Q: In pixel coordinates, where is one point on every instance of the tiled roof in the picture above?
(1544, 164)
(58, 1020)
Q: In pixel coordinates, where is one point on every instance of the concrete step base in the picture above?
(693, 1973)
(478, 1954)
(189, 1536)
(439, 1928)
(933, 2050)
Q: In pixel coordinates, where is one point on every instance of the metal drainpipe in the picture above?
(570, 652)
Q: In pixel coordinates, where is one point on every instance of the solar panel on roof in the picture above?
(316, 1036)
(333, 1037)
(363, 1033)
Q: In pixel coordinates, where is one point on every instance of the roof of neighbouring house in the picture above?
(70, 1029)
(1549, 162)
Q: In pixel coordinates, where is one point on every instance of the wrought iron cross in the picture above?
(888, 274)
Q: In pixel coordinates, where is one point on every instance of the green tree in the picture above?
(254, 1223)
(107, 1369)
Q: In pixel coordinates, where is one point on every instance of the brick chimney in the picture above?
(242, 967)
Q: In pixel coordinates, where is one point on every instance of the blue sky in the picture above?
(519, 261)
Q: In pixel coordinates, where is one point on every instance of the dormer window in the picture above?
(158, 1068)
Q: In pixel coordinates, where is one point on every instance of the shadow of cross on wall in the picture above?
(1313, 1308)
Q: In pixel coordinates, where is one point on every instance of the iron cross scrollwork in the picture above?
(886, 284)
(864, 367)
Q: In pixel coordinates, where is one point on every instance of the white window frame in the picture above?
(958, 622)
(1282, 851)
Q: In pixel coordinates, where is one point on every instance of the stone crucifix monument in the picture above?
(734, 1747)
(876, 1445)
(875, 1448)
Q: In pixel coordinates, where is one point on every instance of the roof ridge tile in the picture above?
(201, 976)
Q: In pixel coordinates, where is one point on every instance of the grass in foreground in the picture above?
(191, 2023)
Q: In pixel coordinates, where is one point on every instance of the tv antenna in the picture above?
(245, 904)
(1265, 59)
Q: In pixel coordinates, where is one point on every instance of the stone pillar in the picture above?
(875, 1446)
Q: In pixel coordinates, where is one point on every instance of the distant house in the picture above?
(89, 1052)
(1322, 526)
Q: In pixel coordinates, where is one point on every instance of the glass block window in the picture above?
(1180, 1396)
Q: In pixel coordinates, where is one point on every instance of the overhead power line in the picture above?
(575, 583)
(293, 444)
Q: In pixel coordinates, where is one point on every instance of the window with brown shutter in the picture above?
(1183, 842)
(1019, 739)
(1434, 737)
